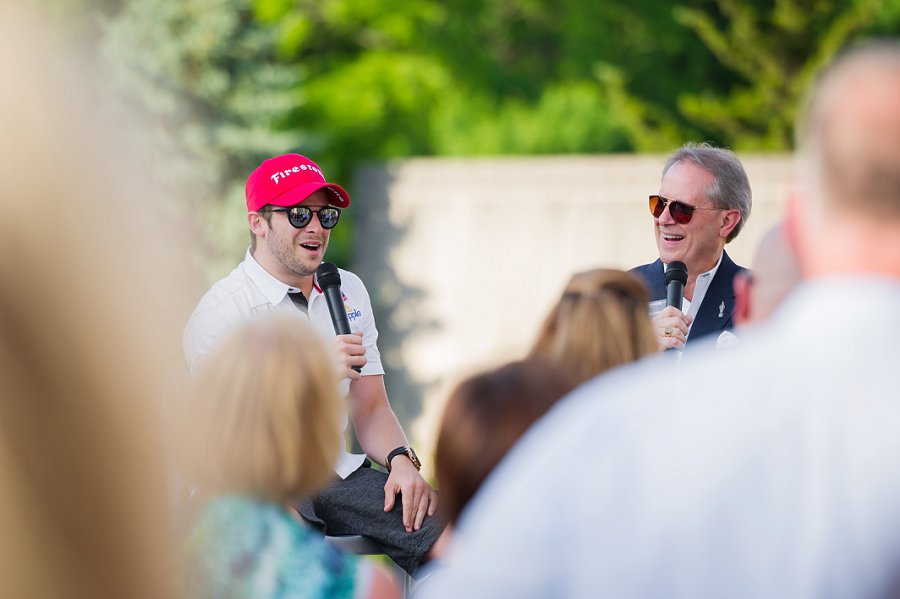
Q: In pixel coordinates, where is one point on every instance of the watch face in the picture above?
(413, 458)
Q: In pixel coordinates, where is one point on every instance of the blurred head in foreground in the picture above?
(600, 322)
(758, 293)
(85, 335)
(264, 413)
(844, 216)
(484, 417)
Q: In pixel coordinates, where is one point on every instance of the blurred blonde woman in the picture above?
(263, 429)
(600, 322)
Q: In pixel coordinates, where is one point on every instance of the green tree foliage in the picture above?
(346, 81)
(210, 74)
(775, 50)
(632, 56)
(370, 84)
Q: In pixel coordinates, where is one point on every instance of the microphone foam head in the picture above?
(677, 271)
(327, 275)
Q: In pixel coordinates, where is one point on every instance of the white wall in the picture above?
(464, 257)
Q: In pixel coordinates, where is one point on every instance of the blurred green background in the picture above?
(229, 83)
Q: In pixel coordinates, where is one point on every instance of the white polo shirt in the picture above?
(249, 289)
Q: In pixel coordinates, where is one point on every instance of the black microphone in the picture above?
(676, 279)
(329, 280)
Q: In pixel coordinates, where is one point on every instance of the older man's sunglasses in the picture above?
(300, 216)
(681, 212)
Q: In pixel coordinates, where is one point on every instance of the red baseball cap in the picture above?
(287, 180)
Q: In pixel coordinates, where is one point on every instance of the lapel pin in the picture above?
(721, 309)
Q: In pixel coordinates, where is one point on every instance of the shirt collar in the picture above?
(700, 287)
(273, 289)
(706, 276)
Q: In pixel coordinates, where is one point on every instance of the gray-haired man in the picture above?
(703, 202)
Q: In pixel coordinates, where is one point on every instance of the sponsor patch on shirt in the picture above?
(352, 313)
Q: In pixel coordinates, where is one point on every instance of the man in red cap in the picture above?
(291, 210)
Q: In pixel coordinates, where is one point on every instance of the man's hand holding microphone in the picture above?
(671, 324)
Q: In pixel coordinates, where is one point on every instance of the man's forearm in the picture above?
(377, 428)
(379, 433)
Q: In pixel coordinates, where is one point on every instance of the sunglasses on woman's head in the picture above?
(300, 216)
(681, 213)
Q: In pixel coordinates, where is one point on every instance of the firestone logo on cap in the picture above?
(303, 167)
(287, 180)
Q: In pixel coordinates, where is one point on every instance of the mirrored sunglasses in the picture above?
(300, 216)
(681, 213)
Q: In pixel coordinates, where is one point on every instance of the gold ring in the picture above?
(668, 331)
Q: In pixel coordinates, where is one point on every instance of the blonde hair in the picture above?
(600, 322)
(264, 414)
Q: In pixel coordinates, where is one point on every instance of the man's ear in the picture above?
(729, 222)
(793, 227)
(742, 307)
(258, 224)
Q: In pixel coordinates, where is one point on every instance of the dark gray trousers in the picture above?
(355, 506)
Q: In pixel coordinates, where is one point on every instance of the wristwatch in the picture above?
(408, 452)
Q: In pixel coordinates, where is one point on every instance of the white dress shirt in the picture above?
(770, 470)
(691, 306)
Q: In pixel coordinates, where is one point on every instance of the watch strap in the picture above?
(403, 450)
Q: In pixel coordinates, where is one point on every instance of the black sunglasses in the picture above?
(300, 216)
(681, 212)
